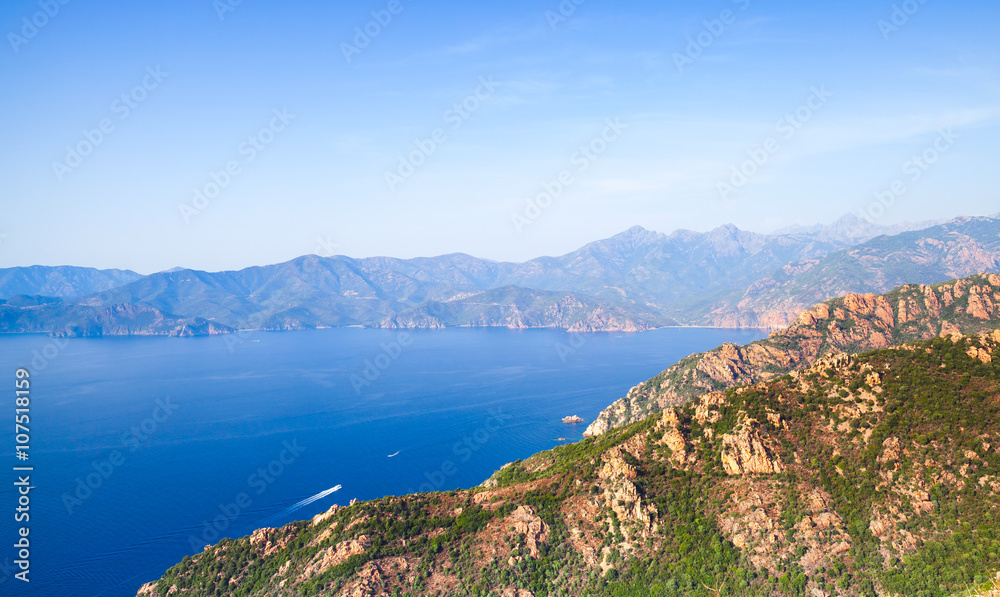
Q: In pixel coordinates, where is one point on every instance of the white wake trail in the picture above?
(303, 503)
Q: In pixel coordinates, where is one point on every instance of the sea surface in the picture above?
(146, 449)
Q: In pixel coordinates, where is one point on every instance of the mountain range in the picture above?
(634, 281)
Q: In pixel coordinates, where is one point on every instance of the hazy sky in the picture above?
(429, 133)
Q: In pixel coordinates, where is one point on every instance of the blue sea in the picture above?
(146, 449)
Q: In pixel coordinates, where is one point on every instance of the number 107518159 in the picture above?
(22, 413)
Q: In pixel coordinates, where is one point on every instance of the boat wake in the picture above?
(301, 504)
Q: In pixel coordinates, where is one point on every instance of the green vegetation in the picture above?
(889, 486)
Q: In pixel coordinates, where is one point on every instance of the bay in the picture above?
(146, 449)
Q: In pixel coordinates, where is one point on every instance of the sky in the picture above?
(220, 134)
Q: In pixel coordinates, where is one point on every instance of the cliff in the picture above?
(866, 475)
(853, 323)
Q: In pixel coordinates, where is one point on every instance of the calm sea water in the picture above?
(146, 449)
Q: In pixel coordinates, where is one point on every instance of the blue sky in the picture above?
(667, 99)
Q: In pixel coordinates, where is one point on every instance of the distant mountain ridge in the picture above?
(63, 281)
(634, 281)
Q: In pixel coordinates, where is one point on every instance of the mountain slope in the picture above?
(952, 250)
(860, 476)
(45, 315)
(516, 307)
(854, 323)
(62, 281)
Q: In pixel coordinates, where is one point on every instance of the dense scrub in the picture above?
(888, 483)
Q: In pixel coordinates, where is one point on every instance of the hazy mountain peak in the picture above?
(633, 238)
(637, 233)
(851, 229)
(730, 230)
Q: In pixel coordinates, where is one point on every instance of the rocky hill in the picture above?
(952, 250)
(26, 314)
(854, 323)
(871, 475)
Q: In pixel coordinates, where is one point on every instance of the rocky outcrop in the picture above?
(525, 522)
(744, 451)
(335, 555)
(617, 477)
(853, 323)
